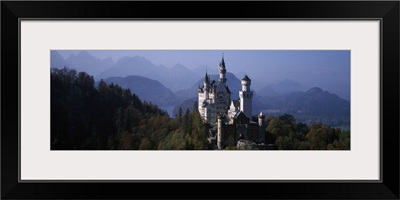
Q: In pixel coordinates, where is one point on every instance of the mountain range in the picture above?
(281, 87)
(175, 78)
(312, 106)
(177, 87)
(82, 62)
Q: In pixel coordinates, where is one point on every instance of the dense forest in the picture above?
(287, 134)
(108, 117)
(89, 116)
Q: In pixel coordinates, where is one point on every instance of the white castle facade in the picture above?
(230, 119)
(214, 98)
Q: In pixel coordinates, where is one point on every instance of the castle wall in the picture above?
(230, 135)
(220, 134)
(253, 132)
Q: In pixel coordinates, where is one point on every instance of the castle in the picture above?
(230, 119)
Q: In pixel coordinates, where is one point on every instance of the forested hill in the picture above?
(89, 116)
(85, 117)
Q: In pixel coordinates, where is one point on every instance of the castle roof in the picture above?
(213, 82)
(239, 113)
(221, 87)
(246, 78)
(222, 63)
(236, 103)
(240, 118)
(206, 78)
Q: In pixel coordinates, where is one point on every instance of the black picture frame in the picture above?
(386, 11)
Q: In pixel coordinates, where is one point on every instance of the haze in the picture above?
(327, 69)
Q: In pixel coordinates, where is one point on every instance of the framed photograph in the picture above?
(301, 98)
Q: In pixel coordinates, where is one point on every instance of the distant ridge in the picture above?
(83, 61)
(279, 88)
(313, 106)
(175, 78)
(147, 89)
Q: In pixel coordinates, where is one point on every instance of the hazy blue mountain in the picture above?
(57, 61)
(314, 101)
(240, 74)
(175, 78)
(147, 89)
(279, 88)
(136, 65)
(179, 77)
(84, 61)
(268, 91)
(314, 105)
(202, 69)
(233, 83)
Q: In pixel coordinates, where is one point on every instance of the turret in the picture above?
(246, 82)
(222, 71)
(261, 124)
(206, 81)
(246, 97)
(220, 134)
(206, 86)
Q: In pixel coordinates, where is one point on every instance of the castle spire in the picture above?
(222, 63)
(206, 78)
(222, 70)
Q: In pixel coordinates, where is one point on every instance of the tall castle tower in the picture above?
(246, 97)
(222, 71)
(220, 133)
(229, 119)
(206, 86)
(214, 96)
